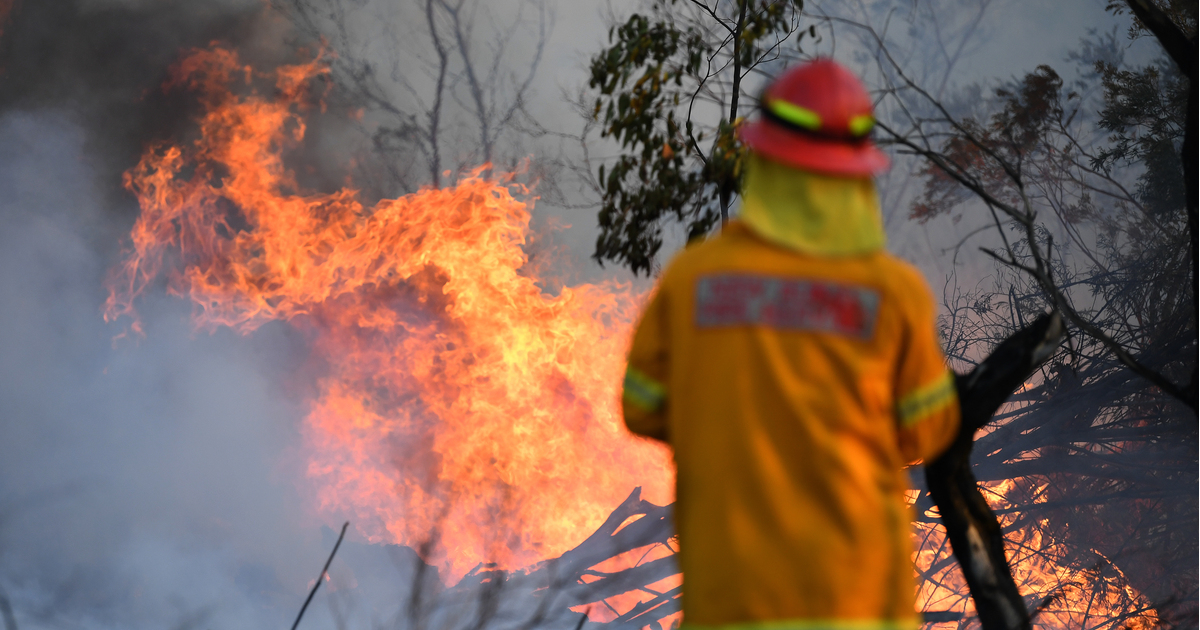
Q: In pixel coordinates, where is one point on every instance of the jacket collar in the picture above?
(809, 212)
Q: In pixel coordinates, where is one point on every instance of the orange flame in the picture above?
(458, 400)
(1067, 597)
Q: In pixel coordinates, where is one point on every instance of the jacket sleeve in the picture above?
(644, 396)
(926, 400)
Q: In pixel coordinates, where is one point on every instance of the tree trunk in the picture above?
(971, 527)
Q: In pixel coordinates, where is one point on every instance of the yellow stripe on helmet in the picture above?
(861, 125)
(796, 115)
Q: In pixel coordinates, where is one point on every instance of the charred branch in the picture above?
(1184, 53)
(321, 577)
(653, 527)
(649, 612)
(1172, 38)
(971, 526)
(560, 583)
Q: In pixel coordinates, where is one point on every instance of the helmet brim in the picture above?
(820, 155)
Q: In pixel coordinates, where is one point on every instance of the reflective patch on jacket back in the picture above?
(786, 304)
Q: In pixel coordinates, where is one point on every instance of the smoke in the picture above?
(140, 485)
(157, 483)
(153, 484)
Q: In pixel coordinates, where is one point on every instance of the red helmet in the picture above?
(817, 117)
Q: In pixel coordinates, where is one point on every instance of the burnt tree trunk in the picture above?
(971, 526)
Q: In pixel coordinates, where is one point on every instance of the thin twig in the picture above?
(322, 576)
(583, 618)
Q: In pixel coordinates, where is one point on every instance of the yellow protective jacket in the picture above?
(793, 389)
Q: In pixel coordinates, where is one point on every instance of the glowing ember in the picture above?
(1093, 596)
(459, 401)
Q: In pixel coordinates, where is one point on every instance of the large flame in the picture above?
(459, 402)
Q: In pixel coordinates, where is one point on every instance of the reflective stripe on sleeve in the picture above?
(643, 391)
(924, 400)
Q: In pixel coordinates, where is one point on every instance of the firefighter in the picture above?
(794, 367)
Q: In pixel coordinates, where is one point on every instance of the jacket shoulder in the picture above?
(701, 253)
(909, 290)
(903, 275)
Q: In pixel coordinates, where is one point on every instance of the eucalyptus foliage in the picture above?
(670, 88)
